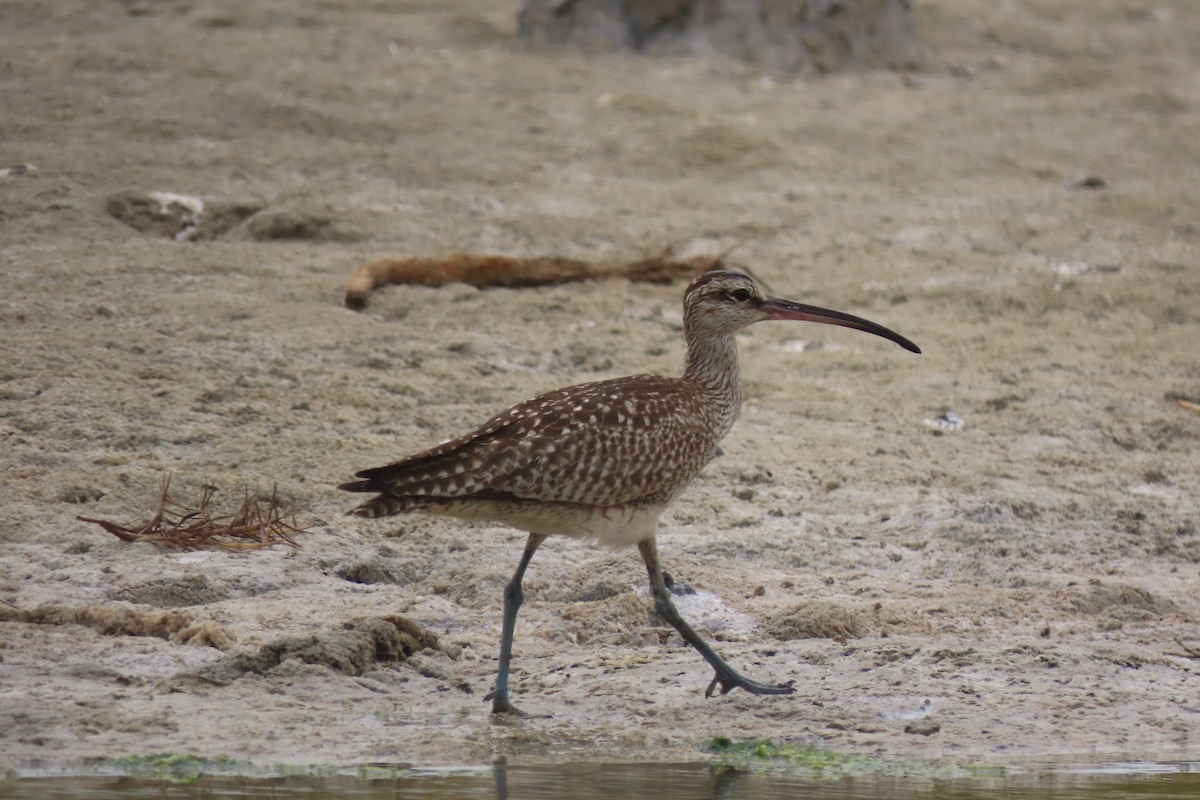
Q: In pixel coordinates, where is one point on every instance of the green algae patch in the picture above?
(811, 762)
(171, 767)
(802, 760)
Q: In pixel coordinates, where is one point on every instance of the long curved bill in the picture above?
(786, 309)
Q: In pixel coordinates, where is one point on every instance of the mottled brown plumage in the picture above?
(601, 460)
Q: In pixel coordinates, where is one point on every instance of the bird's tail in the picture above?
(361, 486)
(383, 505)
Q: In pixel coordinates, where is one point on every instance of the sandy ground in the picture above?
(1008, 591)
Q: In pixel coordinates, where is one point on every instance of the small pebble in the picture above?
(948, 421)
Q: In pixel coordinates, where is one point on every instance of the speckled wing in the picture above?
(604, 444)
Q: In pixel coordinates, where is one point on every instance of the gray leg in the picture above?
(726, 676)
(513, 597)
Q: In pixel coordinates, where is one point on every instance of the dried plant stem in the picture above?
(257, 523)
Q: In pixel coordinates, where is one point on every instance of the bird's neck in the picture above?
(712, 364)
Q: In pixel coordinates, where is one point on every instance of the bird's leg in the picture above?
(727, 677)
(513, 597)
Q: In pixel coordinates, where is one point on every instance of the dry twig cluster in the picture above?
(258, 523)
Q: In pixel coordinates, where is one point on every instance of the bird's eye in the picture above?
(740, 295)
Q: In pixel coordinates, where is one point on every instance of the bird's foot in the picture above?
(732, 680)
(502, 705)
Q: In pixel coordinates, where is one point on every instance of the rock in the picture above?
(781, 36)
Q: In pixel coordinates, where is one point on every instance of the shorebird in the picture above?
(602, 460)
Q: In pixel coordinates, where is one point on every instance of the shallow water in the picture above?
(583, 781)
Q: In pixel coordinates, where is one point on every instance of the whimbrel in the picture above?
(602, 460)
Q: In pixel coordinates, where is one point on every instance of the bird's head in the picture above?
(723, 301)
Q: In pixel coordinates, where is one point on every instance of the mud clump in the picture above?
(1115, 605)
(274, 225)
(1104, 598)
(189, 590)
(816, 619)
(178, 216)
(788, 37)
(626, 619)
(350, 649)
(374, 570)
(174, 626)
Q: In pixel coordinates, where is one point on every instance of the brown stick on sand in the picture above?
(484, 271)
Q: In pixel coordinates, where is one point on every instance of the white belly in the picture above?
(616, 526)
